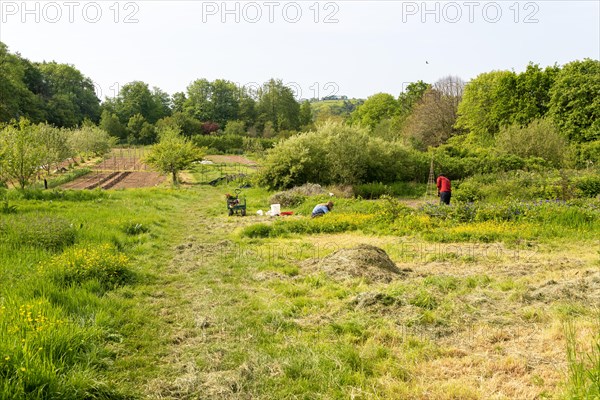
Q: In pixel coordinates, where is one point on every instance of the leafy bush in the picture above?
(539, 139)
(77, 265)
(588, 185)
(45, 232)
(232, 143)
(287, 199)
(339, 154)
(372, 190)
(467, 192)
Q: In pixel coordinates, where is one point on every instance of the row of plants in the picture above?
(529, 185)
(483, 222)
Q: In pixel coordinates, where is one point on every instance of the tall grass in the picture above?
(583, 366)
(64, 256)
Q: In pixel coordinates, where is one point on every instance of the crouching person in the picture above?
(321, 209)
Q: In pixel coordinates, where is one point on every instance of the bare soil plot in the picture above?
(230, 159)
(120, 169)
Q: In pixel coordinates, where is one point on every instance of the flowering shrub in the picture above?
(77, 265)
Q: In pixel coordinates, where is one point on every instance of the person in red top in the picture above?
(444, 189)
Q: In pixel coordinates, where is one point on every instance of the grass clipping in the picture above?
(364, 261)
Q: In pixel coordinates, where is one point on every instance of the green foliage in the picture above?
(137, 98)
(173, 153)
(487, 103)
(5, 207)
(77, 265)
(21, 152)
(55, 146)
(575, 104)
(90, 140)
(584, 155)
(339, 154)
(539, 139)
(459, 159)
(305, 115)
(37, 231)
(257, 231)
(42, 351)
(235, 127)
(109, 122)
(589, 185)
(276, 104)
(70, 96)
(467, 192)
(376, 190)
(523, 185)
(232, 144)
(65, 195)
(502, 98)
(376, 108)
(188, 125)
(139, 131)
(338, 110)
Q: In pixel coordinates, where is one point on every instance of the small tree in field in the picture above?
(22, 152)
(90, 140)
(173, 153)
(55, 144)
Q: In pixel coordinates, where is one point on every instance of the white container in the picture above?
(275, 209)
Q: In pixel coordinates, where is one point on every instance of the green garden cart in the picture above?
(236, 204)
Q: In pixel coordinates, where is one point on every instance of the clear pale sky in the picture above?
(354, 48)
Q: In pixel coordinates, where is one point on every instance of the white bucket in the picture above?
(275, 209)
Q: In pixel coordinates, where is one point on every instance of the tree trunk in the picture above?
(174, 177)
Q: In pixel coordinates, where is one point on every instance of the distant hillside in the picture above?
(341, 108)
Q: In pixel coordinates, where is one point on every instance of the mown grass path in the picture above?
(235, 318)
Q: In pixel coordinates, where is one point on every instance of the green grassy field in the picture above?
(158, 294)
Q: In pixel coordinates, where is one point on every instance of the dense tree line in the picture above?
(62, 96)
(541, 116)
(58, 94)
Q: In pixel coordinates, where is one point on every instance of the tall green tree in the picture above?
(487, 103)
(225, 99)
(410, 97)
(139, 131)
(277, 105)
(16, 98)
(137, 98)
(375, 109)
(90, 140)
(575, 100)
(110, 123)
(69, 95)
(306, 118)
(198, 102)
(532, 92)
